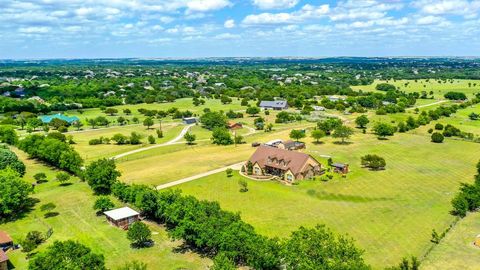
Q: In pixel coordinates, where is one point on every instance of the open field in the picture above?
(77, 220)
(169, 163)
(456, 250)
(392, 210)
(439, 89)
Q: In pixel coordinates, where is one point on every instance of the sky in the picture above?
(33, 29)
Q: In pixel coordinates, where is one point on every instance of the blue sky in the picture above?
(219, 28)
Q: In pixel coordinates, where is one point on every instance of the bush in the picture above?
(103, 204)
(221, 136)
(438, 126)
(437, 137)
(430, 130)
(373, 162)
(139, 234)
(95, 141)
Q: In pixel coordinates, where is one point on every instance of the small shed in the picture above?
(189, 120)
(122, 217)
(5, 240)
(3, 260)
(340, 167)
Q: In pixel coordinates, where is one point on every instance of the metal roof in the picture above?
(274, 104)
(121, 213)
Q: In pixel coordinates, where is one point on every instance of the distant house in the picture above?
(5, 241)
(69, 119)
(122, 217)
(291, 145)
(275, 105)
(3, 260)
(234, 125)
(289, 166)
(189, 120)
(340, 167)
(318, 108)
(273, 143)
(336, 98)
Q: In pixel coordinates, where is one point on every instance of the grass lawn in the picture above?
(165, 164)
(77, 220)
(389, 213)
(93, 152)
(456, 250)
(439, 89)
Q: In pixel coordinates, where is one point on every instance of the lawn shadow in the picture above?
(29, 206)
(42, 181)
(51, 214)
(65, 184)
(318, 143)
(322, 195)
(185, 248)
(342, 143)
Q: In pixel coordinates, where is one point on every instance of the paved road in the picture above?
(236, 166)
(173, 141)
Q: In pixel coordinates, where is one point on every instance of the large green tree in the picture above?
(10, 159)
(101, 175)
(319, 248)
(139, 234)
(342, 132)
(67, 255)
(14, 195)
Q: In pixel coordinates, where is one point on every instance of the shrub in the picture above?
(139, 234)
(373, 162)
(438, 126)
(437, 137)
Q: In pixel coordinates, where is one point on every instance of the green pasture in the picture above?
(77, 220)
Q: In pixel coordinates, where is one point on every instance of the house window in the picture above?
(257, 170)
(289, 177)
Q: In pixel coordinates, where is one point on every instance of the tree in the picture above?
(382, 130)
(243, 185)
(474, 116)
(101, 175)
(15, 193)
(221, 136)
(148, 122)
(455, 95)
(329, 125)
(317, 134)
(252, 111)
(133, 265)
(373, 162)
(34, 123)
(10, 159)
(8, 135)
(102, 204)
(78, 125)
(342, 132)
(151, 139)
(190, 138)
(67, 255)
(297, 134)
(437, 137)
(229, 172)
(139, 234)
(63, 177)
(111, 111)
(120, 138)
(135, 138)
(438, 126)
(31, 241)
(460, 205)
(319, 248)
(259, 123)
(223, 262)
(159, 133)
(212, 120)
(362, 121)
(40, 177)
(385, 87)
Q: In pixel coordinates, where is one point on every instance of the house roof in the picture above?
(274, 104)
(121, 213)
(49, 118)
(3, 256)
(5, 238)
(280, 159)
(291, 143)
(339, 165)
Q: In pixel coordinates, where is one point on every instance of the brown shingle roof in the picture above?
(5, 238)
(279, 158)
(3, 256)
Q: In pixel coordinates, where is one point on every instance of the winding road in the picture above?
(173, 141)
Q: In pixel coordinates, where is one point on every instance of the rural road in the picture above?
(236, 166)
(427, 105)
(173, 141)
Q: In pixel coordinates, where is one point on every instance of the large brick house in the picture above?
(288, 165)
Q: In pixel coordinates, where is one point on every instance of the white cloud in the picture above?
(430, 20)
(305, 13)
(275, 4)
(206, 5)
(227, 36)
(34, 30)
(445, 7)
(229, 24)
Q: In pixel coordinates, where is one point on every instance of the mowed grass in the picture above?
(457, 249)
(93, 152)
(439, 89)
(77, 220)
(173, 162)
(181, 104)
(389, 213)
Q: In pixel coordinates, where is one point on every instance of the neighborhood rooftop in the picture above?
(5, 238)
(274, 104)
(121, 213)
